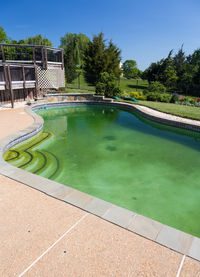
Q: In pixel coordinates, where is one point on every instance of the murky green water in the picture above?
(114, 155)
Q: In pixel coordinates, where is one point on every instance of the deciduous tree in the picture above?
(3, 36)
(130, 69)
(74, 46)
(38, 40)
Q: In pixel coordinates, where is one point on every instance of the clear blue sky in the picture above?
(145, 30)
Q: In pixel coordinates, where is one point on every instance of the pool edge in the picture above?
(169, 237)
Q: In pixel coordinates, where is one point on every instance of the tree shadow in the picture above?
(137, 86)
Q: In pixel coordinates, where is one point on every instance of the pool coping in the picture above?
(167, 236)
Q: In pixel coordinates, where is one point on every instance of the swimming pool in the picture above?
(119, 156)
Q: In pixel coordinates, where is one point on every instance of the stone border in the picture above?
(167, 236)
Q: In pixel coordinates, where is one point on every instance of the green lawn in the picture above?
(132, 84)
(175, 109)
(83, 87)
(75, 90)
(125, 84)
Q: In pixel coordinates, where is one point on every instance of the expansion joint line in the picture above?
(45, 252)
(180, 267)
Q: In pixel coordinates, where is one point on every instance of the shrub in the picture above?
(175, 98)
(107, 85)
(152, 96)
(192, 101)
(125, 94)
(156, 87)
(100, 88)
(158, 97)
(184, 100)
(138, 95)
(165, 98)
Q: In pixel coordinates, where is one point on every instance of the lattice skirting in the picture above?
(51, 77)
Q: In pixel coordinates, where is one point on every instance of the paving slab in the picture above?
(119, 216)
(78, 198)
(99, 248)
(98, 207)
(145, 226)
(195, 249)
(175, 239)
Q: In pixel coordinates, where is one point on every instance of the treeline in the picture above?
(35, 40)
(90, 57)
(81, 55)
(178, 73)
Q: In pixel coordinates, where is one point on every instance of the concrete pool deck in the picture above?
(43, 236)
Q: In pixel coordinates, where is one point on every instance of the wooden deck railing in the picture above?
(18, 53)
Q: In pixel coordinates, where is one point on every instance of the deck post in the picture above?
(34, 55)
(36, 80)
(3, 54)
(24, 79)
(46, 58)
(10, 87)
(5, 76)
(62, 59)
(42, 50)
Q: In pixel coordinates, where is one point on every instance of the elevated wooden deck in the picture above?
(29, 68)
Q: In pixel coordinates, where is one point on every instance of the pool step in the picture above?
(37, 161)
(41, 162)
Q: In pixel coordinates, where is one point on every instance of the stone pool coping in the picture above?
(167, 236)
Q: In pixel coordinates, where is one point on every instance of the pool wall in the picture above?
(172, 238)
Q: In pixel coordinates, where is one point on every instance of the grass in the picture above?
(84, 87)
(175, 109)
(125, 84)
(75, 90)
(132, 84)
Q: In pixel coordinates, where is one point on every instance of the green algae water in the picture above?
(118, 156)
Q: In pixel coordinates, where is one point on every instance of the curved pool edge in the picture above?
(179, 241)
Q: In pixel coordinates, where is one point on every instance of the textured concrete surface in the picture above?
(30, 221)
(191, 268)
(99, 248)
(42, 236)
(14, 120)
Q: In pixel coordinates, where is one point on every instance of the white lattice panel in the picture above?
(51, 77)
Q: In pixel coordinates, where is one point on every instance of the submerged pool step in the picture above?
(37, 161)
(50, 166)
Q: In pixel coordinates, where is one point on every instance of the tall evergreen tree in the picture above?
(101, 58)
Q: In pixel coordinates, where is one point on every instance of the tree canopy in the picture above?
(130, 68)
(37, 40)
(3, 36)
(74, 46)
(100, 58)
(179, 72)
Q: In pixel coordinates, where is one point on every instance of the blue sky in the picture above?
(145, 30)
